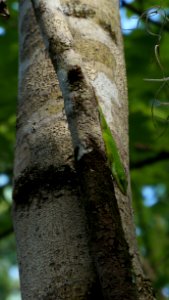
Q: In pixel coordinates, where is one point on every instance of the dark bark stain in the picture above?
(75, 74)
(108, 244)
(33, 180)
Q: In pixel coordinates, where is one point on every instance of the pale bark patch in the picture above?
(107, 93)
(90, 30)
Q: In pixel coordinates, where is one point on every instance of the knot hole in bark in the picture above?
(75, 75)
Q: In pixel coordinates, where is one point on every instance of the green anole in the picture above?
(113, 157)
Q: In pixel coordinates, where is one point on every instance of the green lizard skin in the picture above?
(113, 157)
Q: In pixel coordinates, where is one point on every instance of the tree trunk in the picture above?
(74, 227)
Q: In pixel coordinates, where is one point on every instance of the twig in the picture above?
(140, 13)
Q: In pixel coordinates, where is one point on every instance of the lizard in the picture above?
(112, 153)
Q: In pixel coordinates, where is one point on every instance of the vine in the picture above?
(164, 80)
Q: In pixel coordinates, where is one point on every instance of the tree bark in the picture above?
(74, 228)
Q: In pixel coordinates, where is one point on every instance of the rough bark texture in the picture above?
(74, 228)
(49, 219)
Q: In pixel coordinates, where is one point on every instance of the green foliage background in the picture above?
(149, 146)
(149, 136)
(9, 285)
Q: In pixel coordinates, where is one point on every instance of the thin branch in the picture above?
(140, 13)
(163, 155)
(6, 232)
(157, 79)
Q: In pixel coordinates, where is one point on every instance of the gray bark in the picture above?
(74, 228)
